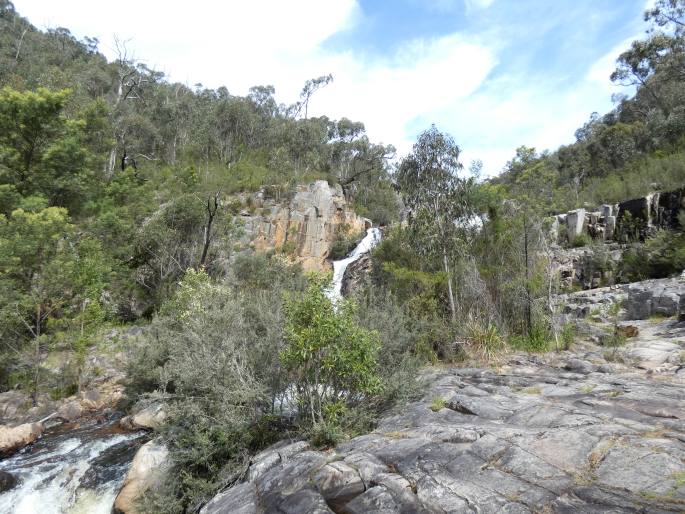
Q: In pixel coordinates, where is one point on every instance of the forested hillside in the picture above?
(91, 149)
(632, 150)
(123, 198)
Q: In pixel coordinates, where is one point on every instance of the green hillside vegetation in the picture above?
(637, 148)
(111, 176)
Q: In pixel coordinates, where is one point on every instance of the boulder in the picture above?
(338, 483)
(609, 227)
(575, 222)
(70, 411)
(356, 274)
(241, 499)
(606, 210)
(579, 366)
(627, 331)
(151, 417)
(147, 470)
(15, 438)
(91, 400)
(7, 481)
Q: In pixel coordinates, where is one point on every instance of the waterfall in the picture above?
(372, 238)
(71, 471)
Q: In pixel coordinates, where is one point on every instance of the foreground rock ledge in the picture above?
(528, 437)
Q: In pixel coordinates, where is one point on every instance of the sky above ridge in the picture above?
(496, 74)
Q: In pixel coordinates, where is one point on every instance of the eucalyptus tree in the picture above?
(657, 64)
(440, 201)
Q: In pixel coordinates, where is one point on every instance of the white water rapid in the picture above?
(78, 471)
(372, 238)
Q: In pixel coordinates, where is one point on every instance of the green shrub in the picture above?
(567, 336)
(328, 356)
(212, 354)
(325, 434)
(437, 404)
(289, 248)
(539, 340)
(399, 335)
(378, 203)
(661, 255)
(581, 240)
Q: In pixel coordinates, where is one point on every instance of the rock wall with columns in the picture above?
(628, 220)
(303, 225)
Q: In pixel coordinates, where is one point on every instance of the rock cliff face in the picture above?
(590, 266)
(303, 226)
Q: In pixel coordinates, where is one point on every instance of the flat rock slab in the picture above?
(653, 354)
(559, 433)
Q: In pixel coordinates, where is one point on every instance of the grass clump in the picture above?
(532, 390)
(438, 404)
(538, 340)
(485, 341)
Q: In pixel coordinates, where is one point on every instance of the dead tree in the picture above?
(212, 208)
(130, 83)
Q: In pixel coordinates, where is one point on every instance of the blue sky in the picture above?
(495, 74)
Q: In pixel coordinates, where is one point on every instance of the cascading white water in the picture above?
(372, 238)
(76, 472)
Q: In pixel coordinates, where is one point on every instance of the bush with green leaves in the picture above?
(485, 341)
(662, 255)
(207, 355)
(227, 356)
(400, 334)
(330, 359)
(538, 340)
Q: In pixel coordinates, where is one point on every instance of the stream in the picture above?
(75, 469)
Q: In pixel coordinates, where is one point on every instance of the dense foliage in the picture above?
(110, 164)
(119, 203)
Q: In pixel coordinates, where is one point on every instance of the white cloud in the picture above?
(601, 70)
(478, 4)
(423, 76)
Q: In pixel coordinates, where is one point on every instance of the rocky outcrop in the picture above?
(560, 433)
(89, 402)
(13, 403)
(15, 438)
(639, 300)
(630, 219)
(151, 417)
(588, 267)
(356, 275)
(147, 470)
(303, 226)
